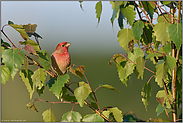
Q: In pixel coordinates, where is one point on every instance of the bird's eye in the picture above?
(62, 45)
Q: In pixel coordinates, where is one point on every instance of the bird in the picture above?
(60, 58)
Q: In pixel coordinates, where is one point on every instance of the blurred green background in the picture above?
(90, 46)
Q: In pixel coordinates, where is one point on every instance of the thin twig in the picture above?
(8, 38)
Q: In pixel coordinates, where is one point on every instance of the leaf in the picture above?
(175, 34)
(137, 53)
(81, 93)
(92, 118)
(44, 59)
(81, 5)
(167, 99)
(171, 62)
(140, 66)
(48, 116)
(26, 78)
(148, 29)
(13, 59)
(10, 22)
(85, 85)
(129, 13)
(150, 55)
(160, 31)
(161, 18)
(120, 17)
(129, 69)
(160, 109)
(31, 106)
(39, 77)
(79, 72)
(124, 37)
(117, 114)
(161, 73)
(30, 28)
(110, 87)
(26, 64)
(98, 8)
(106, 113)
(121, 73)
(138, 30)
(160, 100)
(29, 48)
(71, 116)
(37, 35)
(167, 48)
(55, 85)
(114, 14)
(5, 74)
(146, 94)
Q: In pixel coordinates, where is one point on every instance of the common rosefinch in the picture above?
(60, 58)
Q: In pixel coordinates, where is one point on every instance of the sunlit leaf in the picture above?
(55, 85)
(85, 85)
(167, 48)
(124, 37)
(109, 87)
(71, 116)
(98, 8)
(39, 77)
(26, 78)
(140, 66)
(13, 59)
(146, 94)
(171, 62)
(5, 74)
(161, 73)
(160, 31)
(175, 34)
(121, 73)
(129, 13)
(48, 116)
(31, 43)
(117, 114)
(150, 55)
(106, 113)
(92, 118)
(81, 93)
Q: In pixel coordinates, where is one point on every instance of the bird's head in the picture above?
(63, 47)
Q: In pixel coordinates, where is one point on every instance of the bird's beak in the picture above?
(68, 44)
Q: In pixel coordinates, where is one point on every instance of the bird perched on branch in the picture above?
(60, 58)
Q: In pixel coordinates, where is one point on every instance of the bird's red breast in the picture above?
(61, 58)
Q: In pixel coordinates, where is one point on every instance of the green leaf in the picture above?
(149, 8)
(71, 116)
(146, 94)
(81, 5)
(138, 29)
(129, 13)
(167, 48)
(175, 34)
(171, 62)
(10, 22)
(124, 37)
(160, 31)
(55, 85)
(13, 59)
(161, 73)
(109, 87)
(44, 59)
(39, 77)
(86, 86)
(117, 114)
(137, 53)
(26, 78)
(150, 55)
(129, 69)
(160, 109)
(121, 73)
(48, 116)
(5, 74)
(81, 93)
(114, 14)
(140, 66)
(98, 8)
(149, 32)
(168, 98)
(92, 118)
(161, 18)
(106, 113)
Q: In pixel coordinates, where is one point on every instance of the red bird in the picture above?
(60, 58)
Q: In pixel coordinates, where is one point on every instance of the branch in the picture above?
(8, 38)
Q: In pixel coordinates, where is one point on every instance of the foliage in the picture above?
(143, 40)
